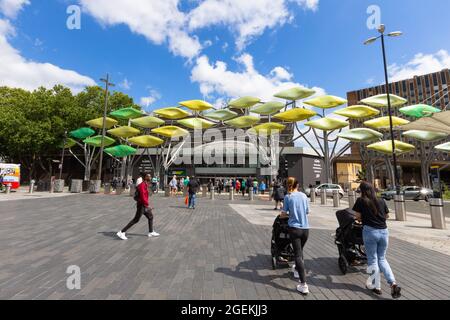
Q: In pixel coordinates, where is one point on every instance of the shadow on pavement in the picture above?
(248, 270)
(113, 235)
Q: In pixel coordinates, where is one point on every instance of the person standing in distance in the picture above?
(192, 187)
(143, 208)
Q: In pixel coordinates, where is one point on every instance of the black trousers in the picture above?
(141, 210)
(299, 237)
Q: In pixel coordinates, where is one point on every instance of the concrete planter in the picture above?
(94, 186)
(76, 186)
(59, 186)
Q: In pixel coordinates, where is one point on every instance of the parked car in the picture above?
(410, 193)
(329, 187)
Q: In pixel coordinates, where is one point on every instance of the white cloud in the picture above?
(152, 98)
(421, 64)
(10, 8)
(16, 71)
(247, 19)
(126, 84)
(160, 21)
(216, 79)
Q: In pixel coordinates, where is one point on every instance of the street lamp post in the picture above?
(105, 111)
(382, 30)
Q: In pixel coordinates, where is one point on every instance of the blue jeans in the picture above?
(376, 242)
(192, 200)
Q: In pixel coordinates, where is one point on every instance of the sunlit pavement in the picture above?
(213, 252)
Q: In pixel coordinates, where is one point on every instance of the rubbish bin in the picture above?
(232, 194)
(76, 186)
(213, 193)
(8, 188)
(400, 208)
(437, 214)
(251, 194)
(204, 191)
(59, 186)
(107, 188)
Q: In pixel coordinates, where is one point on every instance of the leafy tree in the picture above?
(32, 124)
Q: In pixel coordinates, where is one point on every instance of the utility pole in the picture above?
(62, 156)
(105, 111)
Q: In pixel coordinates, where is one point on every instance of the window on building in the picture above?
(435, 79)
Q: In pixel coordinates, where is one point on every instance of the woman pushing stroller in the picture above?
(373, 212)
(296, 208)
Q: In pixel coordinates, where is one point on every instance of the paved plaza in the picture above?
(219, 251)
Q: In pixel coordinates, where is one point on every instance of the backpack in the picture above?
(137, 195)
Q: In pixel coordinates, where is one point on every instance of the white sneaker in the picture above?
(294, 270)
(153, 234)
(121, 235)
(303, 289)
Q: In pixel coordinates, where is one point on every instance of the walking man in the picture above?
(143, 208)
(192, 187)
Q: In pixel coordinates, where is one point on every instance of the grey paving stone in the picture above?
(209, 253)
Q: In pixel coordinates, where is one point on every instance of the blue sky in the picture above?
(171, 55)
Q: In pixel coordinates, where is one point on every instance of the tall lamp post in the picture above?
(382, 30)
(105, 111)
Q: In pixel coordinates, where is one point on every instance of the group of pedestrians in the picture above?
(371, 212)
(178, 185)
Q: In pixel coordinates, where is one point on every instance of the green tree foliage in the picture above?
(32, 124)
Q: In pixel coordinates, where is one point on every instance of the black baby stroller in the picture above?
(349, 240)
(281, 247)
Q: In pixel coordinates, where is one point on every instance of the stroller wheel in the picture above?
(274, 263)
(343, 264)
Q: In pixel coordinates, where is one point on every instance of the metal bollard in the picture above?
(31, 190)
(400, 208)
(351, 199)
(119, 191)
(336, 199)
(251, 194)
(8, 189)
(232, 194)
(437, 214)
(312, 195)
(107, 188)
(132, 190)
(167, 192)
(213, 193)
(323, 197)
